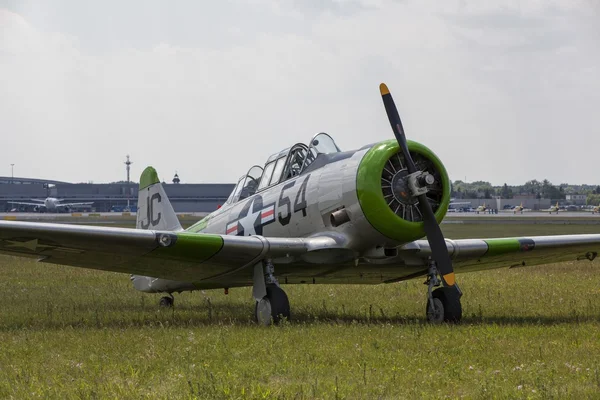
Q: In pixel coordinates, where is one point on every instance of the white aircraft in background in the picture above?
(452, 206)
(51, 204)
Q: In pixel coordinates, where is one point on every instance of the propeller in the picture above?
(434, 234)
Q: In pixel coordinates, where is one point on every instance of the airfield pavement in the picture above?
(528, 333)
(527, 214)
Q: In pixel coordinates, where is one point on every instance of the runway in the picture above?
(526, 214)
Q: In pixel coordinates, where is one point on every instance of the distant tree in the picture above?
(506, 192)
(597, 190)
(533, 186)
(593, 199)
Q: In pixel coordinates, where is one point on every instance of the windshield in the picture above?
(321, 143)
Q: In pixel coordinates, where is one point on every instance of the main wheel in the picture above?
(273, 307)
(166, 301)
(446, 306)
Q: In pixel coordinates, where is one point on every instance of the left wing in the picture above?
(481, 254)
(74, 204)
(180, 256)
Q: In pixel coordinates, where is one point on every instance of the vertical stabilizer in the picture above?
(154, 208)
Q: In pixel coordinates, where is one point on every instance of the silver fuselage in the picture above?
(278, 211)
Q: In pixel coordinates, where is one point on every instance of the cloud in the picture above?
(500, 92)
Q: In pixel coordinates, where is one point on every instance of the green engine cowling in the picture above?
(383, 191)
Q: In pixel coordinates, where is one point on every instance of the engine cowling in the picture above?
(383, 192)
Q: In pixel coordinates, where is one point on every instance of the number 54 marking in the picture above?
(299, 202)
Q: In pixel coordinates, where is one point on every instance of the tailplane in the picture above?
(154, 208)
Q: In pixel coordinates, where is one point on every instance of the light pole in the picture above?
(12, 173)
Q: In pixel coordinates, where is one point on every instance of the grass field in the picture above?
(526, 333)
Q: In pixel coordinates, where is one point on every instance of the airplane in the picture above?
(51, 204)
(552, 209)
(313, 214)
(453, 204)
(519, 208)
(481, 208)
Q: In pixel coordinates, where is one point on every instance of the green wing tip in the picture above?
(149, 177)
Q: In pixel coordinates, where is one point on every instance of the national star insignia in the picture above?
(34, 245)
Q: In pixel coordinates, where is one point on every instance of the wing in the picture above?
(460, 203)
(180, 256)
(24, 203)
(74, 204)
(481, 254)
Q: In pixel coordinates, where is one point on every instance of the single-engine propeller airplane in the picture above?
(520, 208)
(555, 208)
(312, 215)
(481, 208)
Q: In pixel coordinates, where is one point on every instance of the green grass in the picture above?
(526, 333)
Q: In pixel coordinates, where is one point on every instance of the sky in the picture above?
(501, 91)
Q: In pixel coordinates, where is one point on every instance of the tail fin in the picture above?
(154, 208)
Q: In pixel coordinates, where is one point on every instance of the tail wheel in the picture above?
(166, 301)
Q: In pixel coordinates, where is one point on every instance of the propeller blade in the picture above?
(434, 234)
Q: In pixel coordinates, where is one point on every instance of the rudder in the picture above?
(154, 208)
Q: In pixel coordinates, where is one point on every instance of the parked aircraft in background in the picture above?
(520, 209)
(51, 204)
(313, 214)
(552, 209)
(482, 208)
(453, 205)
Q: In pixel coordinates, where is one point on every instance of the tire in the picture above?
(275, 306)
(166, 301)
(450, 300)
(435, 316)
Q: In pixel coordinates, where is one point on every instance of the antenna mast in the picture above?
(128, 167)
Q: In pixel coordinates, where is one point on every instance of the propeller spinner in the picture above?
(417, 182)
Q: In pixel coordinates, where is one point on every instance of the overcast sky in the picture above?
(501, 91)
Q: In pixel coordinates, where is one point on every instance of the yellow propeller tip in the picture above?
(383, 89)
(450, 279)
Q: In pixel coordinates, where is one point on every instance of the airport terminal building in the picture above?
(106, 197)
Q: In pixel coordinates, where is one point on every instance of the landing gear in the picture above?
(274, 307)
(444, 306)
(166, 301)
(443, 303)
(272, 304)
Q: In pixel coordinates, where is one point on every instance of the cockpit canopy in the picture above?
(282, 166)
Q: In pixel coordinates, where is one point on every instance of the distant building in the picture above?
(576, 199)
(202, 197)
